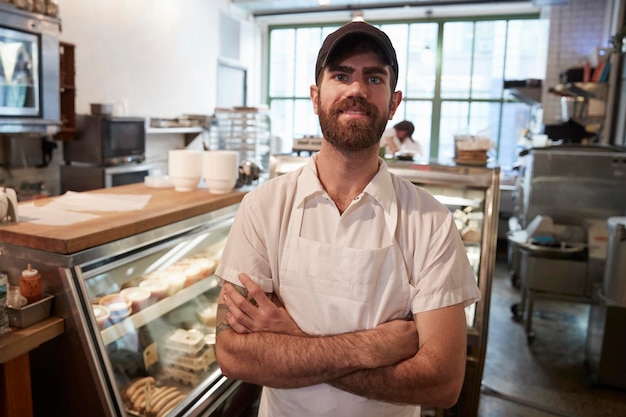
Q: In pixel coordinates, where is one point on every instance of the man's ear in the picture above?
(314, 92)
(396, 99)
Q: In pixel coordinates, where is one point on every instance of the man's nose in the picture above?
(357, 88)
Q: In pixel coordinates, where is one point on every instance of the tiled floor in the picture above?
(548, 377)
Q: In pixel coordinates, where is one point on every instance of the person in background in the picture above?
(399, 139)
(343, 285)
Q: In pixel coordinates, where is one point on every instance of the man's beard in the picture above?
(355, 135)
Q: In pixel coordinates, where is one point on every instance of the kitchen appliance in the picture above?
(571, 184)
(606, 333)
(107, 140)
(575, 186)
(29, 72)
(107, 151)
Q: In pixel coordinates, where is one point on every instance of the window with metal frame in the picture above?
(451, 75)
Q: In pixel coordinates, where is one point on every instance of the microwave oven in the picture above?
(107, 140)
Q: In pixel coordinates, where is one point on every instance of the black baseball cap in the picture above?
(358, 30)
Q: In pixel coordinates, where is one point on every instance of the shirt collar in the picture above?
(380, 188)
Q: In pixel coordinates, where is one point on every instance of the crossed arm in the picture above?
(258, 342)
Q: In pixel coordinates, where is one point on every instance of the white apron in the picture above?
(327, 290)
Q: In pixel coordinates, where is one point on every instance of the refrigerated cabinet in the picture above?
(163, 344)
(472, 194)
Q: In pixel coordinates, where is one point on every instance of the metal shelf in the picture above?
(155, 311)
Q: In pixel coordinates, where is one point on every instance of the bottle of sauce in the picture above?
(30, 285)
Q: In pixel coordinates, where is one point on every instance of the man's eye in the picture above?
(340, 77)
(374, 80)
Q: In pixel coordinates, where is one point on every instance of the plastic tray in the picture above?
(31, 313)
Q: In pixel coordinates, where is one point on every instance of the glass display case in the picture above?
(140, 324)
(472, 195)
(156, 314)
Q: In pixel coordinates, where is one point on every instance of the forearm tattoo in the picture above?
(222, 310)
(221, 313)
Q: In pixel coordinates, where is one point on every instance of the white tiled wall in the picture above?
(577, 29)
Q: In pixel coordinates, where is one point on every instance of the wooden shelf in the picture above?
(20, 341)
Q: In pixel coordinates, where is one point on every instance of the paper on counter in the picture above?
(73, 201)
(46, 215)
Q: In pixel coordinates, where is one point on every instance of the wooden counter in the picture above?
(111, 226)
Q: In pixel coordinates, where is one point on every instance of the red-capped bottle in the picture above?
(30, 285)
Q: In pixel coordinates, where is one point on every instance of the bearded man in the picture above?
(343, 285)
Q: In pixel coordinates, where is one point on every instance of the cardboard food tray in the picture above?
(31, 313)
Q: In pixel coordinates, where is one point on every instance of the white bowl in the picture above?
(185, 183)
(218, 186)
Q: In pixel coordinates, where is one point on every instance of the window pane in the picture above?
(476, 57)
(306, 121)
(454, 117)
(421, 113)
(515, 118)
(282, 57)
(422, 61)
(526, 49)
(485, 121)
(309, 41)
(281, 116)
(399, 37)
(458, 42)
(293, 119)
(488, 62)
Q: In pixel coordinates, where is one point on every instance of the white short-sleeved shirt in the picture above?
(434, 256)
(411, 145)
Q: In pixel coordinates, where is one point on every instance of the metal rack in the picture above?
(243, 129)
